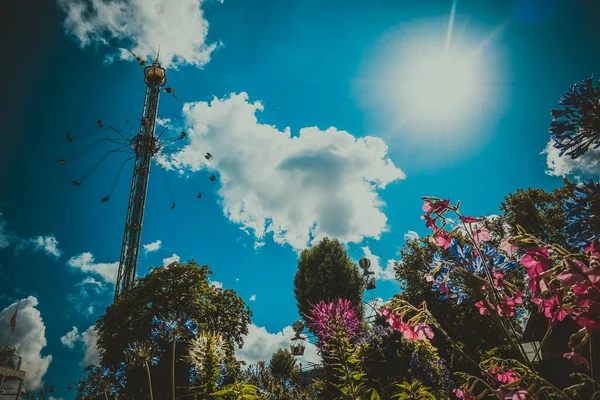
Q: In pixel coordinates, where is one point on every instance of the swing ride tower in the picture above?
(145, 145)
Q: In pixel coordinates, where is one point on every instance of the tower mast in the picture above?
(145, 145)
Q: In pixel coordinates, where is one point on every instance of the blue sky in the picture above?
(330, 67)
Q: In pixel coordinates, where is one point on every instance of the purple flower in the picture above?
(327, 320)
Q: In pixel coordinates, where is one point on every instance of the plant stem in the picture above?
(105, 395)
(173, 371)
(149, 381)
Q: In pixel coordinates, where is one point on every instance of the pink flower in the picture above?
(568, 279)
(591, 251)
(576, 359)
(442, 239)
(423, 331)
(553, 309)
(426, 206)
(536, 261)
(503, 376)
(590, 319)
(464, 394)
(508, 247)
(429, 222)
(440, 206)
(481, 234)
(469, 220)
(521, 395)
(409, 334)
(429, 277)
(482, 308)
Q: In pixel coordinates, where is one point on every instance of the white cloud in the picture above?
(88, 341)
(216, 284)
(253, 297)
(260, 345)
(29, 338)
(411, 235)
(70, 338)
(56, 398)
(386, 273)
(86, 263)
(584, 166)
(48, 244)
(320, 183)
(88, 284)
(170, 260)
(177, 26)
(154, 246)
(237, 279)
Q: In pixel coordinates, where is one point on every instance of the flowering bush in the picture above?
(562, 285)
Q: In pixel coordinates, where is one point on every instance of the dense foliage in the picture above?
(325, 272)
(182, 288)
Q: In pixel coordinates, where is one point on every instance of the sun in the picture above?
(440, 86)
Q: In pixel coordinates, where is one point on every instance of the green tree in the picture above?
(325, 272)
(283, 365)
(539, 212)
(180, 287)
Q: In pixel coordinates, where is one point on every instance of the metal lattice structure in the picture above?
(142, 146)
(145, 145)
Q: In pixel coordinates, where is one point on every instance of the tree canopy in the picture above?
(283, 365)
(325, 272)
(180, 287)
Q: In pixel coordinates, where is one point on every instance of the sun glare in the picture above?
(440, 86)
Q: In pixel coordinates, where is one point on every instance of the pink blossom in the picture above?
(503, 376)
(482, 308)
(440, 206)
(536, 261)
(429, 222)
(508, 246)
(590, 319)
(592, 251)
(429, 277)
(442, 239)
(464, 394)
(423, 331)
(426, 206)
(481, 234)
(553, 309)
(576, 359)
(408, 333)
(337, 317)
(568, 279)
(521, 395)
(469, 220)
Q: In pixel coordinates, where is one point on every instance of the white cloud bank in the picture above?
(170, 260)
(585, 166)
(85, 262)
(260, 345)
(151, 247)
(47, 244)
(300, 189)
(88, 341)
(177, 26)
(29, 338)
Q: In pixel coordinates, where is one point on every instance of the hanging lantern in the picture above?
(298, 327)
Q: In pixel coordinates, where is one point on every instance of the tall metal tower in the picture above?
(145, 145)
(142, 147)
